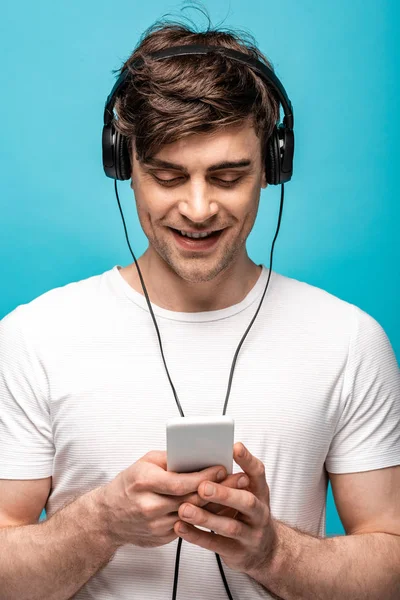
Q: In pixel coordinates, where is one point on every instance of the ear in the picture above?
(264, 183)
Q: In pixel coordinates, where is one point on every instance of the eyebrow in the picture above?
(164, 164)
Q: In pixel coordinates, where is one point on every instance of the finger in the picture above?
(221, 525)
(252, 510)
(254, 468)
(157, 457)
(224, 511)
(237, 481)
(231, 481)
(180, 484)
(224, 546)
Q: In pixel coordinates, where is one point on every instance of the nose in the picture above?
(198, 204)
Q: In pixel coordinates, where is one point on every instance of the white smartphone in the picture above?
(195, 443)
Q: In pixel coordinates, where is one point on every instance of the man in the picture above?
(84, 395)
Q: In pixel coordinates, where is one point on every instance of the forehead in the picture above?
(201, 150)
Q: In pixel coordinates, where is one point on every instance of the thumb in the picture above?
(157, 457)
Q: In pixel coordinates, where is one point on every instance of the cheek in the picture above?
(150, 204)
(248, 207)
(248, 215)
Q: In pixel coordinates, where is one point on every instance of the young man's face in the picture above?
(185, 187)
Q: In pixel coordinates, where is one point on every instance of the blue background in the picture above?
(339, 62)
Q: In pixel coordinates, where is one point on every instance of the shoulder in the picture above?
(54, 310)
(304, 302)
(307, 307)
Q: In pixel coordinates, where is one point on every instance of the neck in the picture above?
(170, 291)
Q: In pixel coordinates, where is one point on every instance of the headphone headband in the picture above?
(262, 70)
(280, 145)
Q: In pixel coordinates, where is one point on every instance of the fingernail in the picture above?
(220, 475)
(208, 489)
(241, 451)
(188, 512)
(243, 482)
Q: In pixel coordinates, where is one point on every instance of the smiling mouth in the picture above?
(198, 235)
(200, 244)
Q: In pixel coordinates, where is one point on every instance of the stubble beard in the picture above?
(196, 269)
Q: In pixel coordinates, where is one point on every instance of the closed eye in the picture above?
(174, 180)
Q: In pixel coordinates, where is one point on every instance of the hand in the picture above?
(140, 505)
(246, 542)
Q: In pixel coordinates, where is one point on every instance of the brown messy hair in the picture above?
(170, 98)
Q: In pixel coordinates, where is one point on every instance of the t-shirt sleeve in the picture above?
(367, 434)
(26, 441)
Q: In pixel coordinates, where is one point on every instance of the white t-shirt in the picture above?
(84, 394)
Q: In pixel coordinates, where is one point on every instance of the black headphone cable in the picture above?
(175, 588)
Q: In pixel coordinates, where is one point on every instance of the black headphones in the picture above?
(280, 146)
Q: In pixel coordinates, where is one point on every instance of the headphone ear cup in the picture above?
(272, 158)
(122, 159)
(108, 150)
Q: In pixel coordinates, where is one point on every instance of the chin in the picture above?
(194, 273)
(197, 269)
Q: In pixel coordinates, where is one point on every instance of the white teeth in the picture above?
(196, 235)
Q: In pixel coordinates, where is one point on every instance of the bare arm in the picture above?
(355, 566)
(55, 558)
